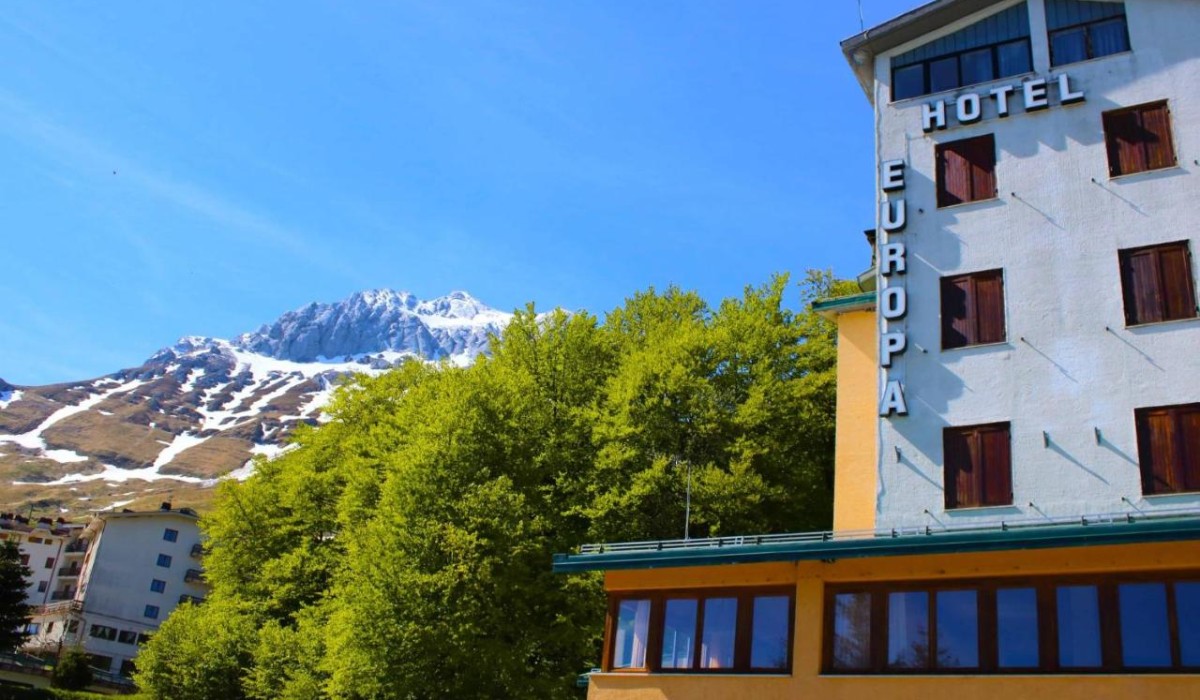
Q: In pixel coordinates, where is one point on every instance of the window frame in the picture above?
(973, 311)
(1146, 468)
(1087, 38)
(993, 49)
(981, 497)
(163, 558)
(1110, 139)
(940, 170)
(1046, 587)
(158, 585)
(170, 535)
(1128, 289)
(743, 635)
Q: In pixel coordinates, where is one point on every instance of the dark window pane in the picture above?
(1017, 627)
(679, 633)
(769, 635)
(629, 643)
(1187, 618)
(1145, 637)
(943, 74)
(908, 630)
(908, 81)
(957, 629)
(851, 631)
(720, 624)
(1108, 37)
(1013, 58)
(1078, 627)
(1068, 46)
(977, 66)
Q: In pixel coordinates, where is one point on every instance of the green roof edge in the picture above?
(846, 303)
(1165, 530)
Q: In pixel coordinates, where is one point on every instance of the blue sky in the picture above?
(199, 168)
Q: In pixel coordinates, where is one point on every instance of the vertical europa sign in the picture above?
(893, 297)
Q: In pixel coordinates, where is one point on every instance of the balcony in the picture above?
(63, 595)
(194, 600)
(70, 571)
(197, 550)
(194, 576)
(76, 547)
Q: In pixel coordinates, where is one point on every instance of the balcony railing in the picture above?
(70, 571)
(76, 547)
(193, 575)
(62, 595)
(197, 550)
(193, 599)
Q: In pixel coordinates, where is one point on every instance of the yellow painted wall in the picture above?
(810, 577)
(857, 422)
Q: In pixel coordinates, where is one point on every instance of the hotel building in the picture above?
(1017, 477)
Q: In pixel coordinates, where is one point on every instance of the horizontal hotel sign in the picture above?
(1033, 95)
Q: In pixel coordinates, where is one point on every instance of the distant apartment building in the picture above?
(113, 581)
(48, 547)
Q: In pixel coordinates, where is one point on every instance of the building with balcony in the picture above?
(1017, 470)
(129, 571)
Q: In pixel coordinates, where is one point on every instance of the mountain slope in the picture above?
(200, 410)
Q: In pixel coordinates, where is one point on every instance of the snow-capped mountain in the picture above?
(198, 411)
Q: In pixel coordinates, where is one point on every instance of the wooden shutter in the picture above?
(989, 306)
(1175, 279)
(954, 176)
(981, 152)
(996, 451)
(1157, 450)
(1121, 132)
(1156, 136)
(1140, 285)
(958, 327)
(961, 473)
(1189, 442)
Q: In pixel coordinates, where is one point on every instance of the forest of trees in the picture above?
(403, 549)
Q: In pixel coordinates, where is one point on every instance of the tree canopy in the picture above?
(14, 613)
(402, 549)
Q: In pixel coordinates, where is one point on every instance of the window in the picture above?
(973, 309)
(995, 47)
(1139, 139)
(73, 626)
(1156, 282)
(1079, 30)
(24, 560)
(49, 563)
(1169, 448)
(151, 612)
(1127, 623)
(33, 628)
(100, 662)
(127, 668)
(164, 560)
(170, 535)
(157, 586)
(142, 638)
(42, 586)
(702, 631)
(978, 466)
(966, 170)
(49, 627)
(127, 637)
(103, 632)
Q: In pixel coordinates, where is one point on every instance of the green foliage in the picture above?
(199, 652)
(14, 613)
(402, 550)
(72, 670)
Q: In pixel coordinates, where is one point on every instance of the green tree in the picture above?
(199, 652)
(72, 671)
(14, 613)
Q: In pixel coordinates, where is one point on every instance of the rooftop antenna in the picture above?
(862, 25)
(687, 508)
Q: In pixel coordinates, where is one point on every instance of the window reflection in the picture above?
(769, 632)
(957, 629)
(852, 631)
(629, 642)
(679, 633)
(1187, 618)
(1144, 634)
(1017, 628)
(720, 624)
(908, 629)
(1078, 627)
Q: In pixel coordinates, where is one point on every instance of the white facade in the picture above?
(137, 568)
(1069, 374)
(51, 550)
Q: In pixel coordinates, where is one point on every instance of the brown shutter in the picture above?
(1189, 443)
(960, 471)
(982, 154)
(989, 306)
(1125, 153)
(1156, 136)
(954, 176)
(958, 327)
(1157, 450)
(1143, 301)
(997, 465)
(1175, 278)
